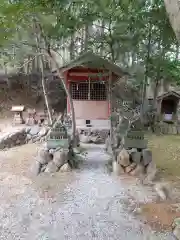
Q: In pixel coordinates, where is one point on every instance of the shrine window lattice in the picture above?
(88, 91)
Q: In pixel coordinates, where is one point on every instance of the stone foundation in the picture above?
(135, 163)
(19, 136)
(54, 160)
(14, 138)
(93, 135)
(167, 128)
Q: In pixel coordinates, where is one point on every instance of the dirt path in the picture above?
(85, 204)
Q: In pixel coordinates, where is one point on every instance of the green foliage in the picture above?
(171, 71)
(118, 31)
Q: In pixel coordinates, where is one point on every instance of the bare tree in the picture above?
(52, 57)
(41, 64)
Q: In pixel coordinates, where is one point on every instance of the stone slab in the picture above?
(134, 143)
(56, 143)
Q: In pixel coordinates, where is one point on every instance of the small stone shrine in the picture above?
(67, 121)
(42, 118)
(18, 114)
(31, 119)
(135, 136)
(132, 156)
(58, 137)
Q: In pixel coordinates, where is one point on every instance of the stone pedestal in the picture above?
(18, 119)
(18, 114)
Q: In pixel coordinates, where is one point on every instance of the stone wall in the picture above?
(93, 136)
(22, 135)
(60, 159)
(166, 128)
(14, 138)
(136, 163)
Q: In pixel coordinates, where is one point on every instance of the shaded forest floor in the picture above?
(9, 98)
(165, 150)
(17, 97)
(166, 154)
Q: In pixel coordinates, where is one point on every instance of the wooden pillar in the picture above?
(110, 107)
(159, 114)
(178, 111)
(68, 86)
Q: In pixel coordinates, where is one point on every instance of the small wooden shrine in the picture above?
(89, 79)
(18, 114)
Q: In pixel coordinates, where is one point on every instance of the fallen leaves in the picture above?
(160, 215)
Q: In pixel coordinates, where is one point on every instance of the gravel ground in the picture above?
(85, 204)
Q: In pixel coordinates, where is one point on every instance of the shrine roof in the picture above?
(92, 60)
(169, 93)
(19, 108)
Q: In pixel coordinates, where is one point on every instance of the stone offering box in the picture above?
(18, 114)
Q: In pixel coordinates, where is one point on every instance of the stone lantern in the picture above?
(18, 114)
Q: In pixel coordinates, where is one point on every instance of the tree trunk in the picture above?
(53, 59)
(86, 37)
(111, 41)
(44, 89)
(110, 102)
(146, 71)
(177, 51)
(28, 72)
(71, 47)
(41, 65)
(34, 65)
(82, 39)
(173, 11)
(158, 75)
(6, 76)
(102, 36)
